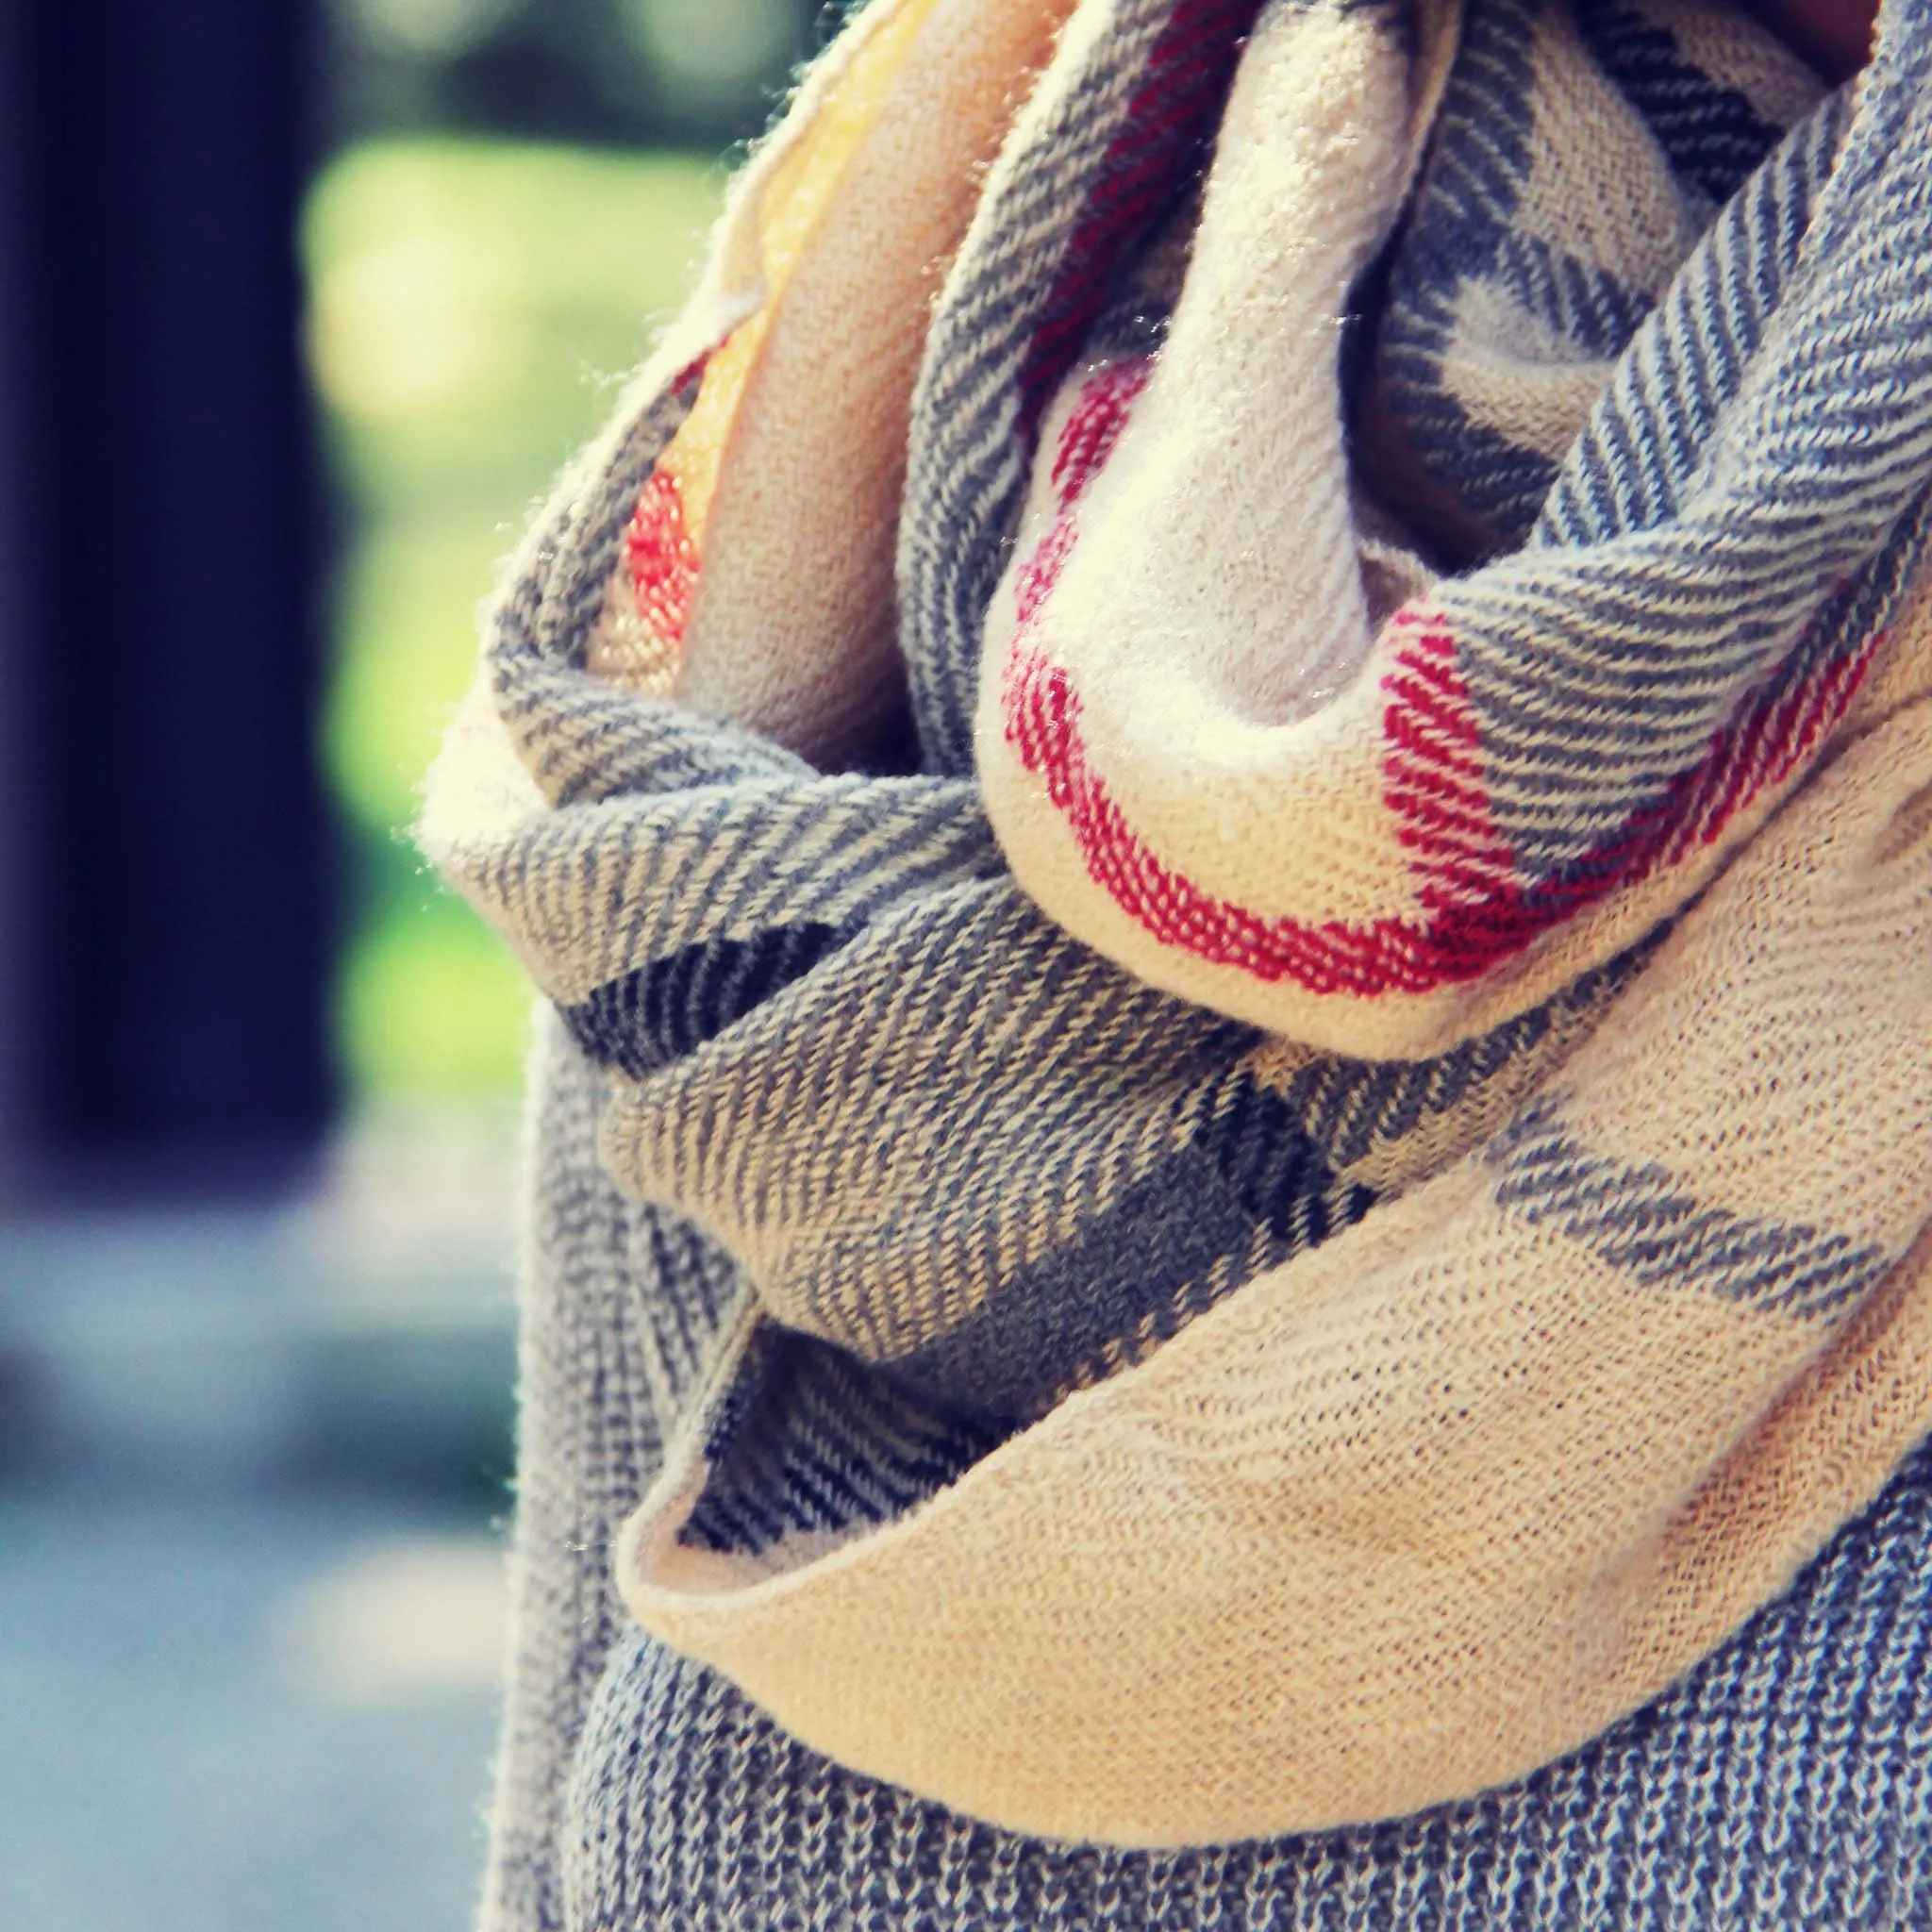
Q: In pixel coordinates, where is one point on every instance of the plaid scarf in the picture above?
(1229, 757)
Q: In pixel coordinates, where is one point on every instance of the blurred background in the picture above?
(301, 306)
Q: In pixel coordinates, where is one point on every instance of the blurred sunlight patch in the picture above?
(711, 46)
(471, 307)
(437, 28)
(404, 1619)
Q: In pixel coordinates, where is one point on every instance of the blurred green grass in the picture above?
(471, 307)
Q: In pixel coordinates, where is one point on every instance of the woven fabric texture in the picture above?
(1226, 766)
(1786, 1784)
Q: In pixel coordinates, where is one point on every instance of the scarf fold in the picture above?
(1231, 756)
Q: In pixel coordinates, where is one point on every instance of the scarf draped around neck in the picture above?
(1230, 755)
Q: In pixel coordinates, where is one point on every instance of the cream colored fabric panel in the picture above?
(1432, 1505)
(792, 626)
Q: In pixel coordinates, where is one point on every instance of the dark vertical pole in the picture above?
(16, 738)
(181, 927)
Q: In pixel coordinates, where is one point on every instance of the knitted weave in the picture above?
(1787, 1783)
(1203, 1330)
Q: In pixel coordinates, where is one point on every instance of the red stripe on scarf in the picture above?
(658, 551)
(1480, 910)
(1177, 99)
(663, 559)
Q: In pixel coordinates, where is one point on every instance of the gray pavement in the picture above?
(235, 1714)
(251, 1597)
